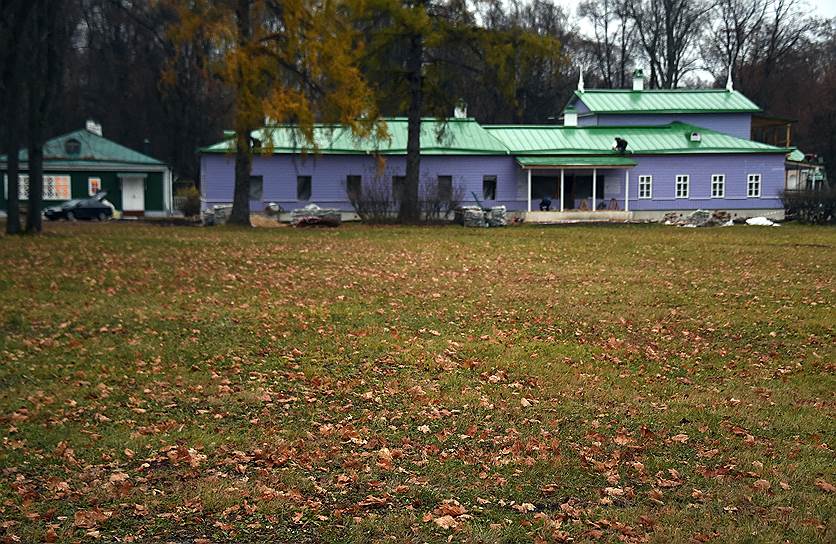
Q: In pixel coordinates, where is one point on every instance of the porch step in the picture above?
(574, 216)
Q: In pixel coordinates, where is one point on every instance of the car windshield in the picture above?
(70, 203)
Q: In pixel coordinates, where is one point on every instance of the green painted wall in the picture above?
(110, 182)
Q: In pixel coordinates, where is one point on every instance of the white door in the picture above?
(133, 194)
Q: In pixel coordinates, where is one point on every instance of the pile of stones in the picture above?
(699, 218)
(314, 216)
(216, 215)
(474, 216)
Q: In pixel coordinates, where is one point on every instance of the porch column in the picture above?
(561, 189)
(594, 183)
(529, 189)
(626, 190)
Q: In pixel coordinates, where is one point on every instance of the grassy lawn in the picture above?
(531, 384)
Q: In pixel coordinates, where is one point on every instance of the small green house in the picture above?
(82, 163)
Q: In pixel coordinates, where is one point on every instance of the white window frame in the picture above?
(718, 181)
(687, 184)
(90, 181)
(51, 181)
(645, 182)
(754, 179)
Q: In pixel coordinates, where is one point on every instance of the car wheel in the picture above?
(101, 216)
(70, 216)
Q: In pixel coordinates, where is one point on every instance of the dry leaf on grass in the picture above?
(825, 485)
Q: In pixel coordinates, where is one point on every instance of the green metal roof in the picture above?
(665, 101)
(467, 137)
(796, 155)
(453, 137)
(95, 150)
(591, 162)
(673, 138)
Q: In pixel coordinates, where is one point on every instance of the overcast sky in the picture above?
(824, 8)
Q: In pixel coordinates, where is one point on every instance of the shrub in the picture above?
(187, 200)
(808, 206)
(377, 201)
(438, 199)
(374, 203)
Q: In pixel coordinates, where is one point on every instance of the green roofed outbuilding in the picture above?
(83, 162)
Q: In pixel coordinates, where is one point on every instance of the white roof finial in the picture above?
(580, 80)
(729, 84)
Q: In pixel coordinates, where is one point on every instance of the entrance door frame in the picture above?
(127, 180)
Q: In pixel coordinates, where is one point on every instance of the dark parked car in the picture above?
(83, 208)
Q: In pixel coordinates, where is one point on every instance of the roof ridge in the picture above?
(645, 91)
(597, 127)
(52, 144)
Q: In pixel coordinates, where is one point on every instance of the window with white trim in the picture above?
(718, 186)
(682, 185)
(55, 187)
(753, 186)
(645, 186)
(94, 185)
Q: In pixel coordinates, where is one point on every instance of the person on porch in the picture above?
(545, 204)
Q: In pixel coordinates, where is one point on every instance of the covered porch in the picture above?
(577, 188)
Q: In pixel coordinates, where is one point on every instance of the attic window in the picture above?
(72, 147)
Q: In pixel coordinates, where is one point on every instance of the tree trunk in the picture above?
(12, 87)
(34, 221)
(53, 31)
(35, 162)
(240, 214)
(12, 161)
(12, 172)
(409, 209)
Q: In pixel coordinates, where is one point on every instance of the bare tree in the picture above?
(613, 37)
(669, 31)
(787, 24)
(731, 33)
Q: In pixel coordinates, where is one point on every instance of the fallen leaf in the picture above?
(445, 522)
(762, 485)
(88, 519)
(825, 486)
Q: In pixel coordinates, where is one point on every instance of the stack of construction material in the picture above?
(699, 218)
(497, 216)
(474, 216)
(314, 216)
(216, 215)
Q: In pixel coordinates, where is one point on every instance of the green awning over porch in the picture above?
(575, 162)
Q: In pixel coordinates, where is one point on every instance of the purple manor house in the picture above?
(619, 155)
